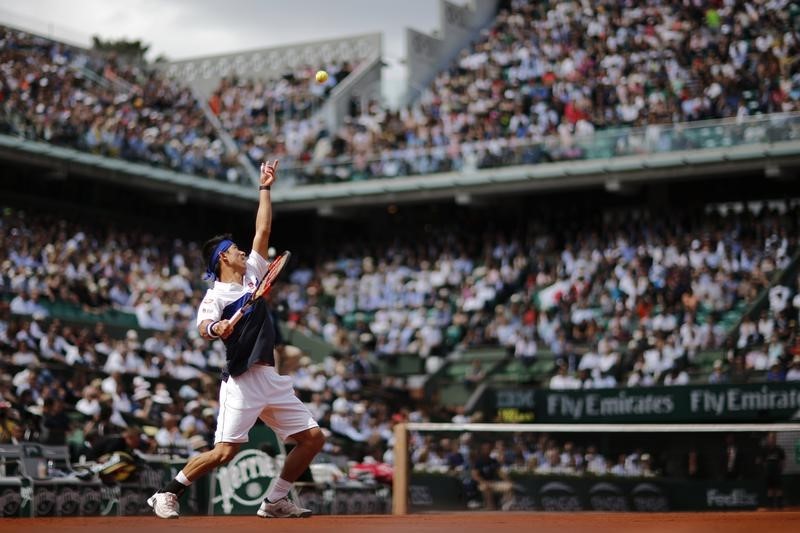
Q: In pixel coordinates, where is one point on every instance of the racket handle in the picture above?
(237, 316)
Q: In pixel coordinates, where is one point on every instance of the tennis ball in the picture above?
(322, 76)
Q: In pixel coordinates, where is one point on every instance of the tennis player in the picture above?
(251, 388)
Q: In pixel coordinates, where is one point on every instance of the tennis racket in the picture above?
(264, 286)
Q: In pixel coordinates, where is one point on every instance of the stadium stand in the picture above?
(620, 303)
(96, 321)
(276, 117)
(72, 97)
(545, 76)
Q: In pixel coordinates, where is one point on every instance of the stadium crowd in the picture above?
(621, 301)
(276, 118)
(63, 95)
(615, 302)
(545, 76)
(83, 386)
(533, 87)
(526, 452)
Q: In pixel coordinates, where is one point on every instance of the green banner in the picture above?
(436, 492)
(240, 486)
(691, 403)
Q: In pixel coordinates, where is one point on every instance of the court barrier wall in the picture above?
(442, 492)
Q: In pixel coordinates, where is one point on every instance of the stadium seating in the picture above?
(545, 81)
(68, 96)
(552, 81)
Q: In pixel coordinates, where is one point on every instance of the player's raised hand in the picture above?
(268, 172)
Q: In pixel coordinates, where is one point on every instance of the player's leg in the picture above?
(165, 501)
(292, 422)
(199, 465)
(277, 504)
(308, 443)
(233, 424)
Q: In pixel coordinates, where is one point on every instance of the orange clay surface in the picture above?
(732, 522)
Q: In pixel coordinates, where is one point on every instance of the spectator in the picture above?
(8, 425)
(486, 473)
(772, 459)
(677, 376)
(475, 373)
(169, 437)
(718, 375)
(131, 440)
(732, 460)
(562, 380)
(776, 373)
(55, 422)
(739, 373)
(144, 117)
(794, 371)
(89, 403)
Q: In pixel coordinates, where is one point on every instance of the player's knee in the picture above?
(317, 439)
(225, 454)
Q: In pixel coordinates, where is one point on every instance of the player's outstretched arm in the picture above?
(264, 215)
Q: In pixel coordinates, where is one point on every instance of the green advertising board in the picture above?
(437, 492)
(239, 487)
(760, 402)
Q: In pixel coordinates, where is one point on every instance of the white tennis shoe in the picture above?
(283, 508)
(164, 504)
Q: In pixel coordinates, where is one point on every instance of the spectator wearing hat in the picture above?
(161, 395)
(718, 375)
(89, 404)
(647, 469)
(198, 444)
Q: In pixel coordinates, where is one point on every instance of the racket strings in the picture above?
(273, 271)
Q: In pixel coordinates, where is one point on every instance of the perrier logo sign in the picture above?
(245, 480)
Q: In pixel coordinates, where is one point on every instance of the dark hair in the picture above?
(209, 247)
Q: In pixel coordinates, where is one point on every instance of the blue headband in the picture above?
(222, 247)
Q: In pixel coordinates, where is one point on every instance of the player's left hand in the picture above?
(268, 172)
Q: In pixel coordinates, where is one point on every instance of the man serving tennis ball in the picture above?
(251, 388)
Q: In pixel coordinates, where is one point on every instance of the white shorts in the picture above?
(260, 393)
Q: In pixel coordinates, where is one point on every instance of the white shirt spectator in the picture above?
(564, 382)
(757, 359)
(589, 361)
(88, 406)
(682, 378)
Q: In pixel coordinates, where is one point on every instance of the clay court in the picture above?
(734, 522)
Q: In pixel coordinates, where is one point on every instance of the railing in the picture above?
(230, 145)
(603, 144)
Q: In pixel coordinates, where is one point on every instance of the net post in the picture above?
(400, 479)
